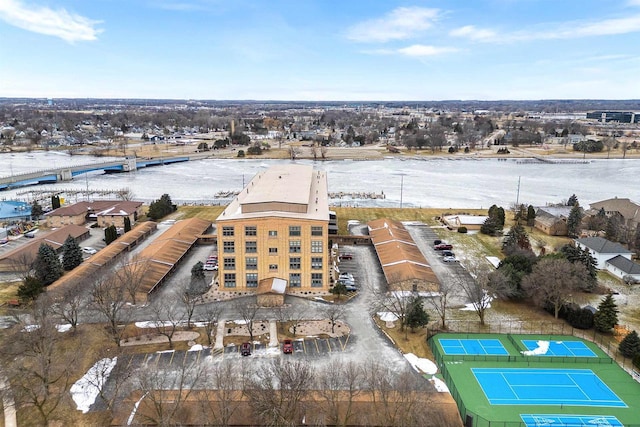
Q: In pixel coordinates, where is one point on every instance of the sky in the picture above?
(320, 50)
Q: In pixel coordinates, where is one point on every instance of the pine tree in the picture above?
(30, 289)
(71, 254)
(55, 202)
(574, 221)
(607, 315)
(36, 210)
(573, 200)
(630, 345)
(488, 227)
(110, 234)
(531, 215)
(416, 315)
(47, 265)
(127, 224)
(516, 238)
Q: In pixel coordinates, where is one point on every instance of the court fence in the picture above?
(522, 327)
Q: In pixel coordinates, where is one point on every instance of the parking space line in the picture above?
(317, 348)
(184, 359)
(171, 359)
(346, 340)
(328, 344)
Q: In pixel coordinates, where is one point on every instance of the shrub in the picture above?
(240, 153)
(462, 229)
(630, 345)
(581, 319)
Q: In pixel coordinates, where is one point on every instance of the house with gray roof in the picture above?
(603, 250)
(623, 268)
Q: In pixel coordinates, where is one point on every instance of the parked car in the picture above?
(287, 347)
(351, 288)
(447, 253)
(450, 259)
(437, 242)
(210, 267)
(89, 250)
(245, 349)
(346, 256)
(443, 246)
(346, 282)
(346, 276)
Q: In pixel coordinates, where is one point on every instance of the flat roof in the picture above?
(270, 191)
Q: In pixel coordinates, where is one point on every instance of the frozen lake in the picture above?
(444, 183)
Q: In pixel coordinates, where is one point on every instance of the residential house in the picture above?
(552, 220)
(602, 250)
(623, 268)
(629, 211)
(104, 212)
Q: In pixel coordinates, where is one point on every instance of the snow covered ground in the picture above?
(87, 388)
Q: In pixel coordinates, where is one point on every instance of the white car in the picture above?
(210, 267)
(450, 259)
(346, 276)
(89, 250)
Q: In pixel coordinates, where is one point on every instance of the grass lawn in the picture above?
(8, 291)
(411, 342)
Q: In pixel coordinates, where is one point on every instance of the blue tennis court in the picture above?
(522, 386)
(539, 420)
(559, 348)
(473, 347)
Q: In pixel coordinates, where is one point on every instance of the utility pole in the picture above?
(518, 194)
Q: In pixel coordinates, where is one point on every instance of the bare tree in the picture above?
(294, 152)
(282, 315)
(189, 300)
(109, 299)
(296, 316)
(247, 309)
(70, 306)
(334, 313)
(38, 366)
(211, 316)
(166, 319)
(395, 302)
(323, 152)
(340, 383)
(221, 398)
(553, 281)
(165, 392)
(440, 303)
(131, 272)
(276, 391)
(624, 147)
(475, 289)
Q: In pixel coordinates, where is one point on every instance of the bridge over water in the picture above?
(49, 176)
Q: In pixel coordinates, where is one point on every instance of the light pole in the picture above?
(401, 186)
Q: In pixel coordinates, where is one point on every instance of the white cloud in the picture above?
(416, 51)
(473, 33)
(58, 23)
(563, 31)
(400, 23)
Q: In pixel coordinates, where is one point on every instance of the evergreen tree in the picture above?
(197, 272)
(573, 200)
(30, 289)
(612, 228)
(71, 254)
(516, 238)
(416, 316)
(36, 210)
(630, 345)
(497, 215)
(488, 227)
(110, 234)
(635, 242)
(339, 290)
(607, 315)
(531, 215)
(47, 266)
(55, 202)
(574, 221)
(127, 224)
(161, 207)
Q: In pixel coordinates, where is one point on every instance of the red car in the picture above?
(245, 349)
(287, 347)
(443, 247)
(346, 256)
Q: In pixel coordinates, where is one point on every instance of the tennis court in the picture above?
(558, 348)
(539, 420)
(523, 386)
(491, 347)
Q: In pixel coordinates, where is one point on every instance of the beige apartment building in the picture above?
(277, 228)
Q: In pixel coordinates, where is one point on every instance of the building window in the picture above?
(252, 280)
(316, 280)
(294, 263)
(273, 233)
(273, 267)
(251, 230)
(273, 251)
(227, 231)
(294, 230)
(316, 246)
(316, 231)
(294, 247)
(316, 263)
(230, 263)
(228, 247)
(294, 280)
(229, 280)
(251, 247)
(251, 263)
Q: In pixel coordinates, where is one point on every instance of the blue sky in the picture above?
(320, 49)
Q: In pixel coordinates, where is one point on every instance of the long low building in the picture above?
(405, 267)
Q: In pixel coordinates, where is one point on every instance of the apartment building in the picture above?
(277, 227)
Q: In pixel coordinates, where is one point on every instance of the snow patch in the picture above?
(197, 347)
(543, 347)
(421, 364)
(63, 328)
(86, 389)
(473, 306)
(439, 385)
